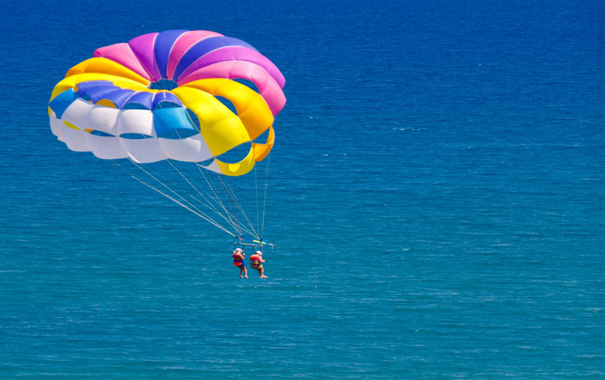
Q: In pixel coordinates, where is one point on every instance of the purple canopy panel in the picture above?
(163, 44)
(142, 47)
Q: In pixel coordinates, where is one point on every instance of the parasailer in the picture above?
(256, 262)
(166, 100)
(238, 260)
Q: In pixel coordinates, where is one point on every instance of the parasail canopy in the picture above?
(171, 95)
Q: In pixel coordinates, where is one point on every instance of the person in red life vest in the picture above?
(256, 262)
(238, 261)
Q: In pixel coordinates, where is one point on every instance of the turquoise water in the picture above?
(437, 195)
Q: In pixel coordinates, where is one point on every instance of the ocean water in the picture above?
(437, 195)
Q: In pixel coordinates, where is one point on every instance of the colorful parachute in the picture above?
(177, 95)
(157, 97)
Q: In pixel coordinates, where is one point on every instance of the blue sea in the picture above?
(436, 196)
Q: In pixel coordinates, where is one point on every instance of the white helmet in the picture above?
(259, 253)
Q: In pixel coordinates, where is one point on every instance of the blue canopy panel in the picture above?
(173, 123)
(163, 84)
(165, 96)
(105, 92)
(162, 45)
(95, 132)
(84, 87)
(99, 90)
(120, 98)
(60, 102)
(142, 98)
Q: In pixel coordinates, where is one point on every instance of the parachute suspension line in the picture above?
(229, 188)
(196, 211)
(215, 207)
(231, 215)
(230, 207)
(239, 206)
(208, 204)
(175, 193)
(256, 196)
(234, 203)
(217, 197)
(166, 186)
(265, 196)
(230, 221)
(182, 205)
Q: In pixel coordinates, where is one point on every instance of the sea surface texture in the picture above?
(436, 195)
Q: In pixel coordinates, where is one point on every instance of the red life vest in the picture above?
(255, 261)
(237, 260)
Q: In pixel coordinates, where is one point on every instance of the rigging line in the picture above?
(265, 197)
(181, 204)
(218, 195)
(229, 214)
(238, 204)
(176, 186)
(208, 204)
(154, 175)
(174, 192)
(213, 209)
(186, 179)
(229, 188)
(189, 182)
(235, 226)
(229, 191)
(215, 198)
(229, 202)
(181, 173)
(184, 200)
(230, 206)
(199, 213)
(256, 195)
(235, 204)
(236, 217)
(245, 229)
